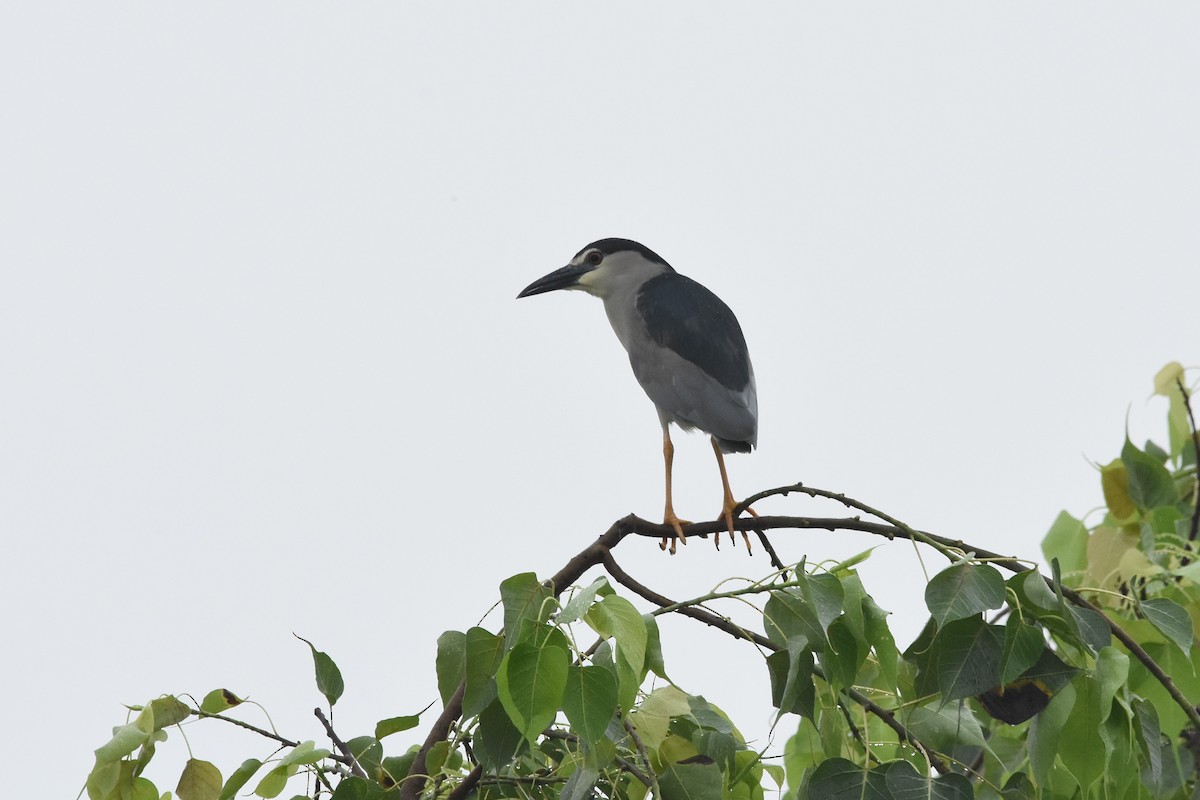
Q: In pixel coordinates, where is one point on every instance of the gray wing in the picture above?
(694, 363)
(686, 395)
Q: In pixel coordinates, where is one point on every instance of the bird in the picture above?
(686, 348)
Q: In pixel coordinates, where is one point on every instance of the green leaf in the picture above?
(239, 778)
(804, 610)
(1170, 619)
(842, 657)
(699, 780)
(386, 727)
(1067, 541)
(497, 740)
(963, 659)
(1149, 735)
(1179, 429)
(582, 600)
(708, 716)
(824, 594)
(124, 741)
(580, 784)
(652, 719)
(1093, 629)
(949, 726)
(200, 781)
(435, 759)
(590, 700)
(219, 700)
(1112, 671)
(329, 677)
(1167, 379)
(616, 617)
(273, 782)
(304, 753)
(1082, 749)
(531, 683)
(880, 637)
(485, 651)
(802, 752)
(103, 779)
(143, 789)
(358, 789)
(450, 663)
(791, 669)
(1023, 643)
(654, 656)
(1019, 787)
(1045, 733)
(168, 711)
(904, 783)
(1031, 586)
(525, 599)
(1114, 481)
(787, 616)
(393, 769)
(367, 751)
(1051, 671)
(777, 774)
(1150, 483)
(839, 779)
(963, 590)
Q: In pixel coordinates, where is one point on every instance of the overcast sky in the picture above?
(262, 369)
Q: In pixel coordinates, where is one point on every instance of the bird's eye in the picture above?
(594, 257)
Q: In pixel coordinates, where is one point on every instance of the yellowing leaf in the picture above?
(1165, 382)
(653, 717)
(1114, 479)
(200, 781)
(1106, 548)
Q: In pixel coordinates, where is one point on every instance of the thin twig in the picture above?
(342, 747)
(260, 731)
(771, 554)
(621, 761)
(655, 791)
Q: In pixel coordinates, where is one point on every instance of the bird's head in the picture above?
(601, 268)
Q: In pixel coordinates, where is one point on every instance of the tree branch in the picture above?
(467, 785)
(599, 553)
(1187, 404)
(410, 789)
(623, 763)
(355, 769)
(254, 728)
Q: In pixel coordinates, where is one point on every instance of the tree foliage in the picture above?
(1077, 683)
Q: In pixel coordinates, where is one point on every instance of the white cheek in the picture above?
(594, 282)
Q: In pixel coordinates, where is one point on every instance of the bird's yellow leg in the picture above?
(729, 503)
(669, 517)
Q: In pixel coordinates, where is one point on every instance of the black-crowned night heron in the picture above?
(685, 346)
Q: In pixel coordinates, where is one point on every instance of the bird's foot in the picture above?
(727, 515)
(675, 522)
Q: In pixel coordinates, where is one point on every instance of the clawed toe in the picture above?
(675, 522)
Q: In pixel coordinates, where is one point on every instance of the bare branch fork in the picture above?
(599, 553)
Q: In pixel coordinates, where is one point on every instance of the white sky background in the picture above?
(262, 369)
